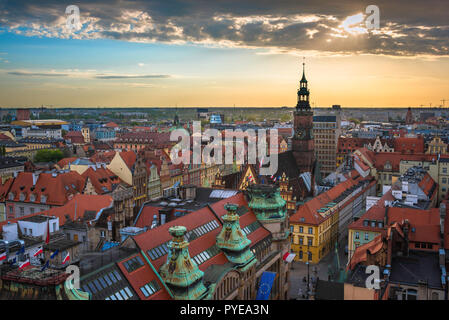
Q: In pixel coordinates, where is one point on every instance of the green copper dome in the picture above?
(267, 203)
(179, 272)
(233, 242)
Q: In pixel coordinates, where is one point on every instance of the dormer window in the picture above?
(22, 196)
(43, 198)
(32, 197)
(11, 196)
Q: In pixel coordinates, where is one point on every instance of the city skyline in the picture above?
(166, 54)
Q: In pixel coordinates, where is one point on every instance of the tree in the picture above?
(47, 155)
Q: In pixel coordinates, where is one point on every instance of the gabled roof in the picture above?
(103, 179)
(361, 253)
(65, 161)
(74, 209)
(56, 187)
(129, 157)
(104, 157)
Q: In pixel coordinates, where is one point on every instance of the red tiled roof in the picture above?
(426, 185)
(111, 125)
(360, 254)
(80, 202)
(101, 178)
(4, 137)
(425, 222)
(154, 237)
(409, 145)
(376, 212)
(64, 162)
(308, 211)
(74, 136)
(57, 189)
(145, 217)
(140, 277)
(103, 157)
(154, 138)
(4, 188)
(362, 165)
(129, 157)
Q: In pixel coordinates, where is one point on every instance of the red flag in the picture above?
(24, 264)
(288, 257)
(67, 258)
(3, 256)
(38, 252)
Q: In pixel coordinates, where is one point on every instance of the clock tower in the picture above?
(302, 142)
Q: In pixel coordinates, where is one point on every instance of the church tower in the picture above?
(302, 142)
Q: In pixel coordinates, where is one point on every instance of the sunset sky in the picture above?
(164, 53)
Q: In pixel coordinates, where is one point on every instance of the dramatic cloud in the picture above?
(407, 28)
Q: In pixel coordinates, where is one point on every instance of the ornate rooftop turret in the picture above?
(267, 203)
(303, 92)
(233, 242)
(179, 272)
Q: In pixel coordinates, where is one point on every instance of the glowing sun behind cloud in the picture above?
(353, 24)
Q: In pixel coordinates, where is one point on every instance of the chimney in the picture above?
(386, 217)
(154, 224)
(35, 177)
(406, 228)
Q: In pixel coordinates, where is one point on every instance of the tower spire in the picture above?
(303, 70)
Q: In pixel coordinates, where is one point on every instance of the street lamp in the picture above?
(308, 266)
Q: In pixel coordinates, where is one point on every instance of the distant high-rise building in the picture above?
(23, 114)
(409, 116)
(326, 131)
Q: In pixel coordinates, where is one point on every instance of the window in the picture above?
(309, 241)
(150, 288)
(310, 230)
(366, 236)
(301, 240)
(54, 226)
(32, 210)
(417, 245)
(444, 180)
(133, 264)
(22, 210)
(357, 235)
(301, 229)
(310, 256)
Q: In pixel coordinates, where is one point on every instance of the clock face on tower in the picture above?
(300, 133)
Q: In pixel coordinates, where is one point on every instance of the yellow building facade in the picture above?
(311, 242)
